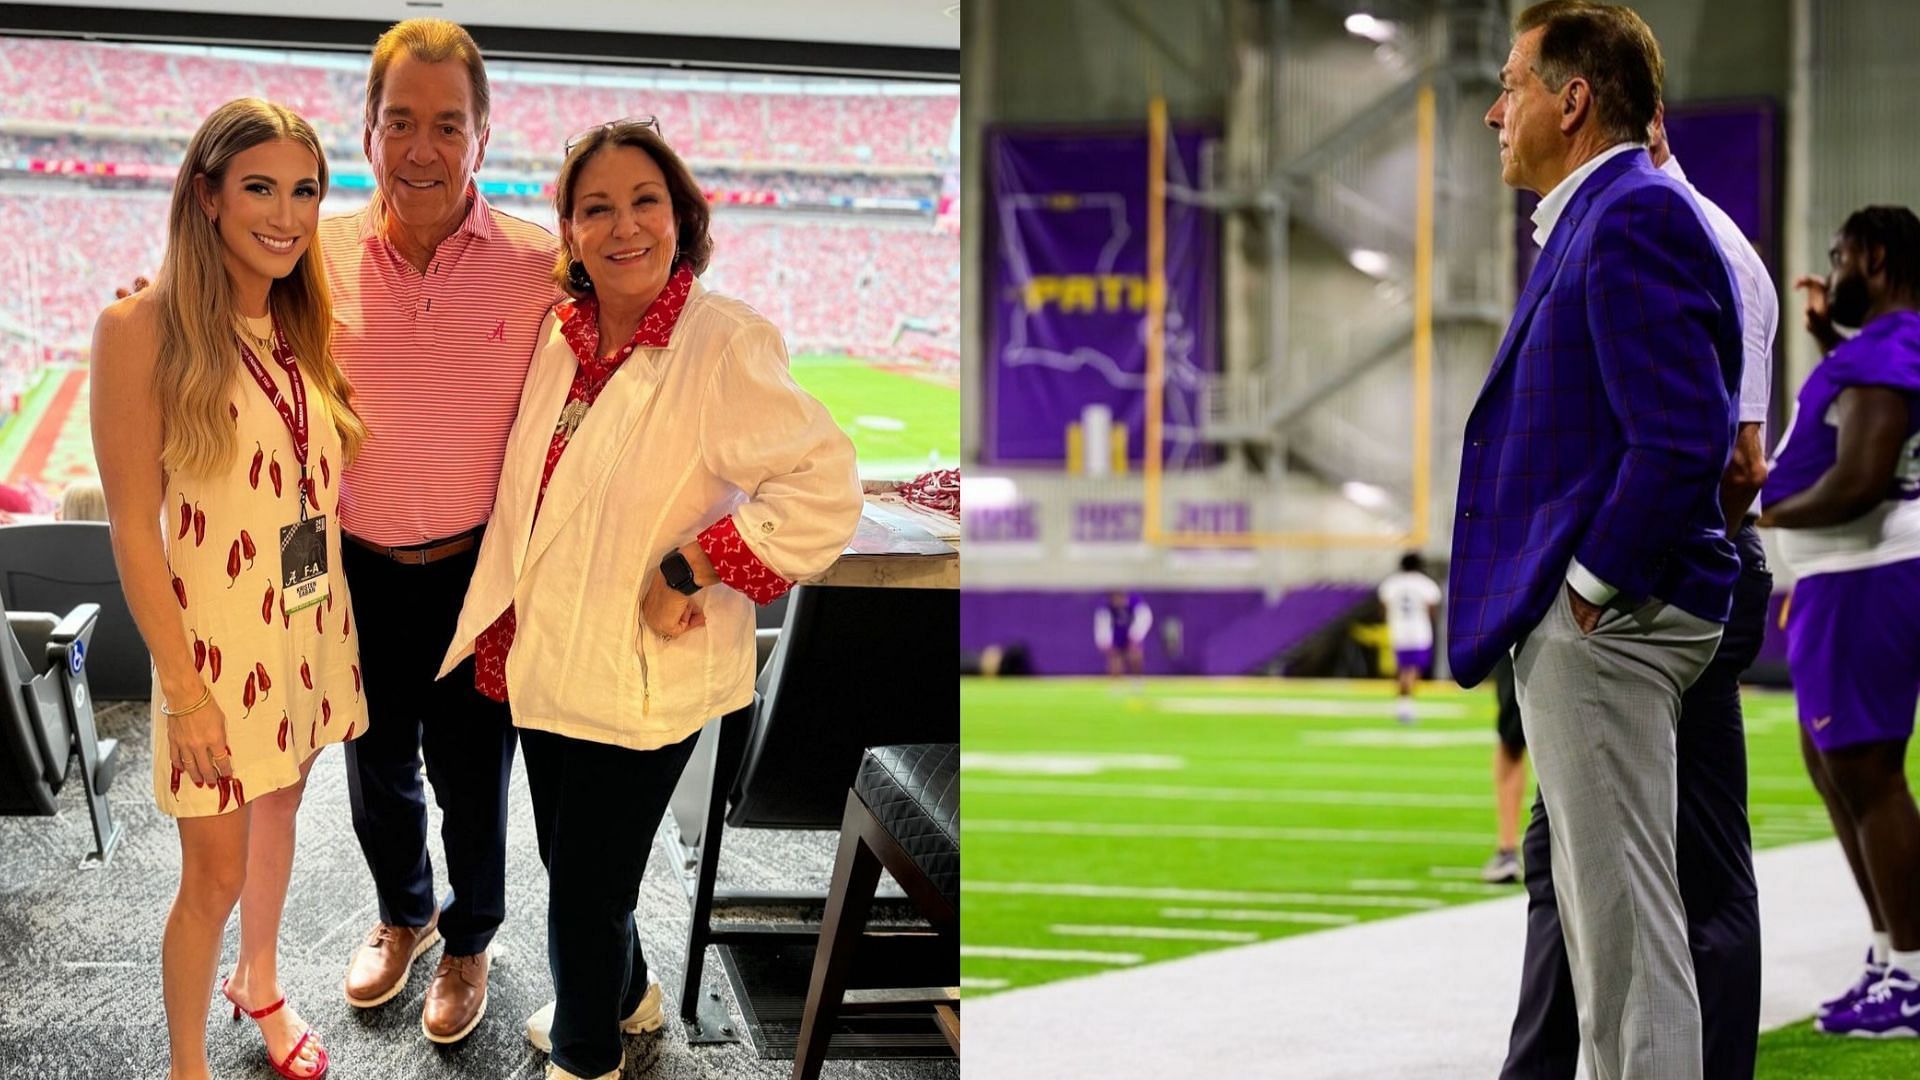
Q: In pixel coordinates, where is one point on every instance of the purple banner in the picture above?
(1067, 243)
(1728, 152)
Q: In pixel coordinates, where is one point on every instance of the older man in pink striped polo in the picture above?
(438, 298)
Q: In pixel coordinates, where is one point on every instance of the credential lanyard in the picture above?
(295, 416)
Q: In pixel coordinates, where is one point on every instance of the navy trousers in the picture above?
(596, 809)
(406, 616)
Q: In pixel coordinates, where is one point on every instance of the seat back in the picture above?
(35, 737)
(853, 668)
(59, 565)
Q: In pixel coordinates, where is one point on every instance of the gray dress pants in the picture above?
(1600, 711)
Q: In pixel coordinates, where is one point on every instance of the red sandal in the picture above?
(283, 1066)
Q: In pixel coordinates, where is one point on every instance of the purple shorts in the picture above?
(1853, 648)
(1420, 660)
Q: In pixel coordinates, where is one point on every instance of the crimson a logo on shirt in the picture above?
(499, 331)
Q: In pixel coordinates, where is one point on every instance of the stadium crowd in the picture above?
(82, 83)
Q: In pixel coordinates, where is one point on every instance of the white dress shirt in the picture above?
(1554, 203)
(1759, 305)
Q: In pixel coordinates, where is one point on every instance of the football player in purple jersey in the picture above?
(1844, 491)
(1120, 630)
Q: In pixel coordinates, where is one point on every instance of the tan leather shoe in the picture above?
(456, 998)
(381, 963)
(647, 1016)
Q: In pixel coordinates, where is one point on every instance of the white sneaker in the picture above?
(1502, 869)
(646, 1017)
(555, 1072)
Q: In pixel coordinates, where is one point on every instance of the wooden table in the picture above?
(898, 547)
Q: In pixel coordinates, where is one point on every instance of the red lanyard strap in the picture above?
(296, 416)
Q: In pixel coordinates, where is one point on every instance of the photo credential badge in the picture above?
(303, 564)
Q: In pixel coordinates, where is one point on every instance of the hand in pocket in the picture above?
(1586, 616)
(667, 612)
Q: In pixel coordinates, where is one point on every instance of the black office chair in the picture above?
(853, 668)
(58, 565)
(46, 719)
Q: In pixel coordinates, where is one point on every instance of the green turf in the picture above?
(1801, 1053)
(1250, 798)
(18, 428)
(926, 414)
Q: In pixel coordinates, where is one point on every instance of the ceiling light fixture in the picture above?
(1361, 24)
(1365, 495)
(1369, 262)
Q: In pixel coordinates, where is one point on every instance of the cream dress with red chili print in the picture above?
(288, 684)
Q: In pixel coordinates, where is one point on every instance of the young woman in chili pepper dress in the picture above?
(288, 683)
(209, 391)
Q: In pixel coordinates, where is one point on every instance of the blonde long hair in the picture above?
(197, 317)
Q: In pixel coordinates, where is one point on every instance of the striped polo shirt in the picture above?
(436, 361)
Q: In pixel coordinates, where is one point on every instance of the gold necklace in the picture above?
(247, 331)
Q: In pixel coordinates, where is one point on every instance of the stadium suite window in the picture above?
(833, 212)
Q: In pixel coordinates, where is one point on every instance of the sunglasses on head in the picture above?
(640, 121)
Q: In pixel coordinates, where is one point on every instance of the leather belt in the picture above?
(422, 554)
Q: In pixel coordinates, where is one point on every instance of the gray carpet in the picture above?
(80, 949)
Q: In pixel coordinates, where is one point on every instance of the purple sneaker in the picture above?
(1869, 978)
(1891, 1010)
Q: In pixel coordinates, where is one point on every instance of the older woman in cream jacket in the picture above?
(664, 475)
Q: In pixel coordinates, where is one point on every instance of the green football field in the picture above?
(1108, 826)
(901, 424)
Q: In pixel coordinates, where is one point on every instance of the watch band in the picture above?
(677, 572)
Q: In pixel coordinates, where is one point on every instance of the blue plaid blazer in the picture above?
(1605, 423)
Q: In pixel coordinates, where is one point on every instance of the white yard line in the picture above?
(1160, 933)
(1388, 738)
(969, 983)
(1088, 789)
(1284, 708)
(1222, 896)
(1317, 918)
(1064, 763)
(1452, 976)
(1260, 833)
(1452, 776)
(1465, 888)
(1074, 956)
(1454, 872)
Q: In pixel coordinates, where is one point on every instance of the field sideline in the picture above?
(1110, 826)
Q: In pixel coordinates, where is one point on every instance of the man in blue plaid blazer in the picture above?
(1588, 535)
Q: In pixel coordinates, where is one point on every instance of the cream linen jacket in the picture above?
(710, 425)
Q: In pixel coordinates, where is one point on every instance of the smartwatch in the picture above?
(678, 573)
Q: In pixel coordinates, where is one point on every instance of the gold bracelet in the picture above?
(206, 696)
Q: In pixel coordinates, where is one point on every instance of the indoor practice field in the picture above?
(1133, 823)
